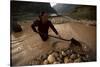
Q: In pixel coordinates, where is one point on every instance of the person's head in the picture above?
(43, 16)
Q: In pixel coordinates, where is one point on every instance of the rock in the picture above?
(15, 27)
(56, 62)
(87, 56)
(77, 60)
(70, 61)
(59, 60)
(63, 53)
(44, 56)
(66, 60)
(73, 56)
(78, 55)
(55, 54)
(68, 52)
(84, 59)
(51, 58)
(60, 56)
(85, 48)
(45, 62)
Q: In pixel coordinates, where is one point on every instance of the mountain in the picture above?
(84, 12)
(76, 11)
(63, 9)
(23, 8)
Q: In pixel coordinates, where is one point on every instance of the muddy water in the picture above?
(27, 45)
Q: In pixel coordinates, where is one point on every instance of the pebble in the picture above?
(45, 62)
(51, 58)
(87, 56)
(70, 60)
(77, 60)
(62, 56)
(59, 60)
(66, 60)
(78, 55)
(56, 62)
(55, 54)
(44, 56)
(68, 52)
(63, 53)
(73, 56)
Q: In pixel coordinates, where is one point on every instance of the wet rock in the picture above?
(59, 59)
(71, 61)
(63, 53)
(78, 55)
(60, 56)
(66, 60)
(63, 56)
(45, 62)
(73, 56)
(77, 60)
(51, 58)
(85, 48)
(55, 54)
(68, 52)
(15, 27)
(44, 56)
(56, 62)
(85, 58)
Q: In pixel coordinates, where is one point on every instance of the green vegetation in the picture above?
(84, 12)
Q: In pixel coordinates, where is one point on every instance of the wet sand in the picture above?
(27, 45)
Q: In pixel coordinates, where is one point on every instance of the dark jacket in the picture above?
(43, 28)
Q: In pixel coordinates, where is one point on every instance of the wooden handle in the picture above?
(59, 38)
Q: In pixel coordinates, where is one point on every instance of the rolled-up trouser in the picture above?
(44, 36)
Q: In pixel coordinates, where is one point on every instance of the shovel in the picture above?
(73, 41)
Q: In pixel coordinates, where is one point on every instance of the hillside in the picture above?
(27, 10)
(63, 9)
(86, 12)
